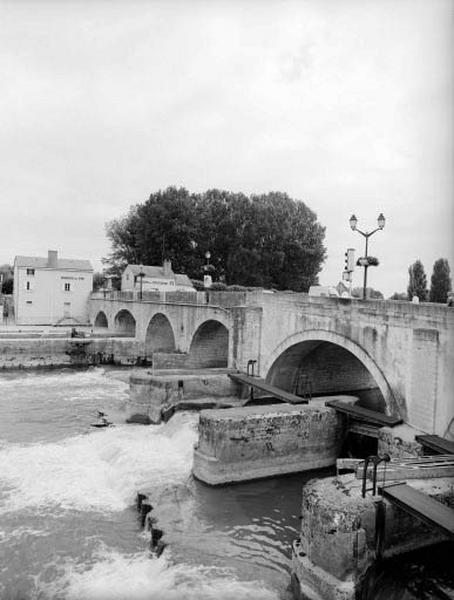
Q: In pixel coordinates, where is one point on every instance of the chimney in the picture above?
(167, 268)
(52, 258)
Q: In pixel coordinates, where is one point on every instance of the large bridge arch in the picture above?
(286, 360)
(210, 345)
(125, 323)
(159, 336)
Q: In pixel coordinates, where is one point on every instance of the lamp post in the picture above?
(206, 268)
(353, 222)
(141, 275)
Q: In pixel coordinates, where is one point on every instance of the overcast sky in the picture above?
(344, 104)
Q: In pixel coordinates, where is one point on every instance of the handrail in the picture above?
(375, 460)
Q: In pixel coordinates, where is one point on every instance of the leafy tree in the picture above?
(267, 240)
(8, 279)
(399, 296)
(371, 294)
(98, 281)
(440, 282)
(417, 285)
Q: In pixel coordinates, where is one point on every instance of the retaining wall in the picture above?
(51, 352)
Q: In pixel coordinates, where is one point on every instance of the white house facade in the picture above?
(49, 290)
(154, 279)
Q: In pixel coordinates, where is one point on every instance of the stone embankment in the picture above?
(37, 352)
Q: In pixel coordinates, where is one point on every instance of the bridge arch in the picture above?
(159, 336)
(101, 320)
(125, 323)
(329, 359)
(210, 345)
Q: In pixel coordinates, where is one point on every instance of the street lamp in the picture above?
(364, 262)
(207, 277)
(141, 275)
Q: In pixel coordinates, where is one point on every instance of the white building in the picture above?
(154, 279)
(49, 290)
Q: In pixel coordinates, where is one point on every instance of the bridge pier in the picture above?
(240, 444)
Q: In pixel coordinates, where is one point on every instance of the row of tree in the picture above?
(440, 283)
(268, 240)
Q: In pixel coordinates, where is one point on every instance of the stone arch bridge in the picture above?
(398, 357)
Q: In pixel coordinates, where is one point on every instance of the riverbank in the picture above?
(41, 349)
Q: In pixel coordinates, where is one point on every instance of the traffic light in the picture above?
(350, 260)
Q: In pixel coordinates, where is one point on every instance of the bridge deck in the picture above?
(364, 414)
(421, 505)
(260, 384)
(436, 443)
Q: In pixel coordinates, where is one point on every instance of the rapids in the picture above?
(68, 526)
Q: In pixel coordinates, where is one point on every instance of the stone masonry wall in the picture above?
(48, 352)
(261, 441)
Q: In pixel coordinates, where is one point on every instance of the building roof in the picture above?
(150, 271)
(63, 264)
(158, 272)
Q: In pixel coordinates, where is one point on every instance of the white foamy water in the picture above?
(101, 470)
(118, 576)
(68, 529)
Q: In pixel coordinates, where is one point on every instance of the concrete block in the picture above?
(241, 444)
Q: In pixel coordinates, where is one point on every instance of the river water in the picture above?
(68, 524)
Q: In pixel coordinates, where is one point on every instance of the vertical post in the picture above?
(365, 269)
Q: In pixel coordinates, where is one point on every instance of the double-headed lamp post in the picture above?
(381, 224)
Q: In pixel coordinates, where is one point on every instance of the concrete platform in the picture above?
(153, 393)
(342, 534)
(240, 444)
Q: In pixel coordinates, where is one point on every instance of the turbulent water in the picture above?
(68, 525)
(69, 528)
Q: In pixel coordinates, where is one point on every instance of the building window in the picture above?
(67, 287)
(28, 286)
(30, 271)
(28, 302)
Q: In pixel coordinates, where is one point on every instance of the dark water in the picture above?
(68, 526)
(426, 574)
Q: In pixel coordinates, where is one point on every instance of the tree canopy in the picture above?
(417, 285)
(267, 240)
(372, 294)
(440, 282)
(7, 272)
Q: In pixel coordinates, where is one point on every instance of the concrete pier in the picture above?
(150, 394)
(342, 534)
(241, 444)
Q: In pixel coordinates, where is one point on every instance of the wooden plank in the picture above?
(421, 505)
(407, 472)
(363, 414)
(260, 384)
(364, 429)
(437, 443)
